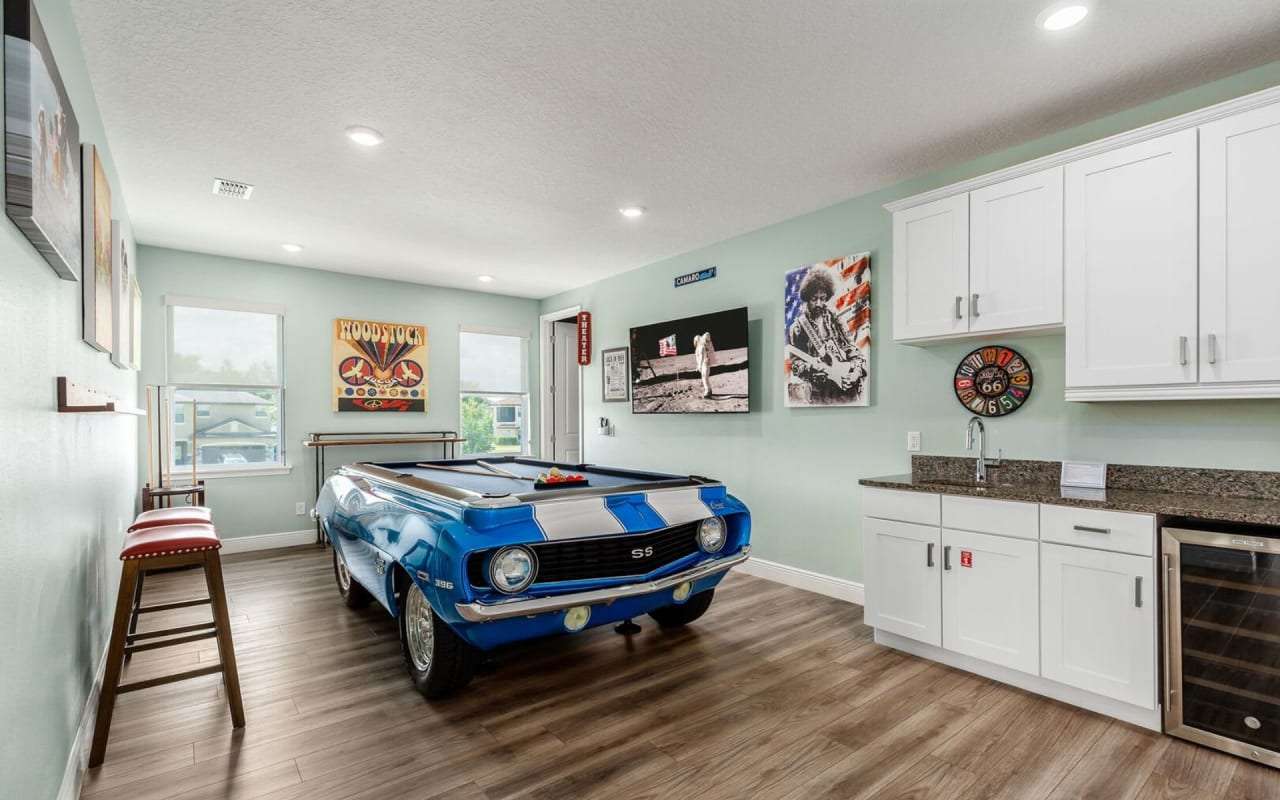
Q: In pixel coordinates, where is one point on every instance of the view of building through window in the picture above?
(225, 387)
(493, 379)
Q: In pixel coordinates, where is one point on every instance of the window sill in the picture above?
(212, 473)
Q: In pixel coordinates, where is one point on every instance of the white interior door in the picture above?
(1239, 243)
(990, 597)
(566, 419)
(1131, 264)
(1099, 622)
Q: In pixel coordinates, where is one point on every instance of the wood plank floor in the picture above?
(775, 693)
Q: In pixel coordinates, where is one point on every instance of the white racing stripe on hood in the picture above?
(576, 519)
(677, 506)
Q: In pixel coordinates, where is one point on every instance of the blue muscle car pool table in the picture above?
(469, 554)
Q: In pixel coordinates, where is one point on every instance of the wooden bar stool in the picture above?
(178, 515)
(159, 548)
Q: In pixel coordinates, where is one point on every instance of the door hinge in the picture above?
(552, 388)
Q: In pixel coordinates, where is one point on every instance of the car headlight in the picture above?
(512, 569)
(711, 535)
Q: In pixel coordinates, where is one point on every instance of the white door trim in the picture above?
(545, 402)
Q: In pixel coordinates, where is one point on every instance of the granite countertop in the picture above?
(1224, 495)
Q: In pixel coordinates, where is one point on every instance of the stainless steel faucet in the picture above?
(980, 475)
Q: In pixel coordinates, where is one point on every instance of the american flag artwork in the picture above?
(667, 346)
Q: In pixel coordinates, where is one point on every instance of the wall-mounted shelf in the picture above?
(75, 398)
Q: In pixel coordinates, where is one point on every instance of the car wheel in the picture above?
(353, 594)
(675, 616)
(439, 662)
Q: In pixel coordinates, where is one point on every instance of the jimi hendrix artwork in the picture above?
(827, 341)
(379, 366)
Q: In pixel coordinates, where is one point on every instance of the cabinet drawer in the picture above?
(918, 507)
(1001, 517)
(1117, 531)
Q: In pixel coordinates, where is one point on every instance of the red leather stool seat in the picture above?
(170, 540)
(178, 515)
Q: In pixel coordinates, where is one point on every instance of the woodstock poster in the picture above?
(379, 366)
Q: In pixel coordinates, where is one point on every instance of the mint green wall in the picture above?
(67, 485)
(797, 469)
(312, 299)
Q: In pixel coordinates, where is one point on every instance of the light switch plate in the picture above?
(913, 441)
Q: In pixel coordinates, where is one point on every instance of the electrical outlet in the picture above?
(301, 508)
(913, 441)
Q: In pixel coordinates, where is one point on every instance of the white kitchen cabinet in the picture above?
(931, 269)
(980, 262)
(1240, 247)
(990, 600)
(903, 589)
(1131, 265)
(1099, 622)
(1015, 253)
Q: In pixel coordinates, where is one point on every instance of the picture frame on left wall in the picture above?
(121, 298)
(98, 324)
(41, 144)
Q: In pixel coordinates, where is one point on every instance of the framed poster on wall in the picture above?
(614, 375)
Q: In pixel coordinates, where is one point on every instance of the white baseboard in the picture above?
(268, 541)
(78, 758)
(838, 588)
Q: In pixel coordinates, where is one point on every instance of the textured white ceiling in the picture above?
(516, 128)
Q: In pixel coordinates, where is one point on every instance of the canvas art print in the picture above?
(135, 317)
(827, 341)
(695, 365)
(121, 285)
(98, 325)
(379, 366)
(41, 144)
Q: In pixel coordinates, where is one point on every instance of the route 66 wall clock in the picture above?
(993, 381)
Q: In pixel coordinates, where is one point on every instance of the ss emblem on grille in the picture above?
(642, 552)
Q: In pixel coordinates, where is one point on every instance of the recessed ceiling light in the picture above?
(292, 248)
(631, 212)
(1060, 17)
(364, 136)
(485, 278)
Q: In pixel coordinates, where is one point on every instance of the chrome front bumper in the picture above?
(487, 612)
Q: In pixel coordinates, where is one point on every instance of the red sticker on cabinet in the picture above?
(966, 558)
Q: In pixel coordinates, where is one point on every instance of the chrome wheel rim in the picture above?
(419, 628)
(344, 577)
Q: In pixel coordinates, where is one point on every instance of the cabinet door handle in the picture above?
(1087, 529)
(959, 300)
(946, 557)
(929, 556)
(1213, 348)
(973, 305)
(1137, 591)
(1182, 350)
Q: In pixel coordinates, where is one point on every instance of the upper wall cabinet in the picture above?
(1131, 265)
(980, 262)
(931, 269)
(1240, 247)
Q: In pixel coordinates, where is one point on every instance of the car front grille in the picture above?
(603, 557)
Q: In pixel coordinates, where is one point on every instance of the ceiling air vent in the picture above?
(232, 189)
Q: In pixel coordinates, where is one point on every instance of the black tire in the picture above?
(438, 660)
(677, 616)
(353, 594)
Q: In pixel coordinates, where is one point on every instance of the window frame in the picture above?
(169, 389)
(523, 416)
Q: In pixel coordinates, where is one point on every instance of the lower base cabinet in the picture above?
(1099, 622)
(904, 595)
(989, 598)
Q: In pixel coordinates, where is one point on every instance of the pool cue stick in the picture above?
(194, 448)
(151, 462)
(485, 473)
(497, 470)
(161, 423)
